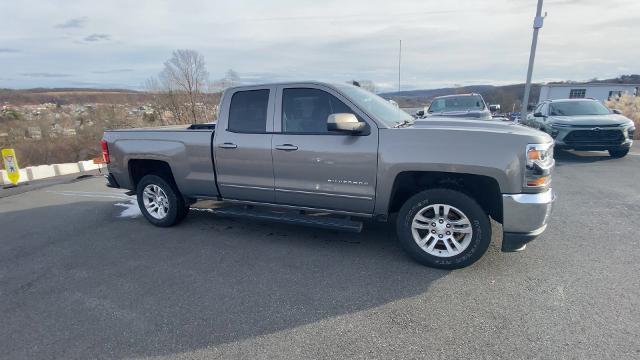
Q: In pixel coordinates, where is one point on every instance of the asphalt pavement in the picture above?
(84, 276)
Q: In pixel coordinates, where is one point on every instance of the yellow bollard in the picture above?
(11, 165)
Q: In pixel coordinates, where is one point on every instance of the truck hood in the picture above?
(472, 114)
(590, 120)
(478, 125)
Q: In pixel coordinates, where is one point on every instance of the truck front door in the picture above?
(314, 167)
(242, 145)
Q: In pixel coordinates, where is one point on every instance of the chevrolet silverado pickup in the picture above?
(333, 155)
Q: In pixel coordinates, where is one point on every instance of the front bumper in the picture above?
(589, 137)
(525, 216)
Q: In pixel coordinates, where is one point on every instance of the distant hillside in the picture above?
(622, 79)
(65, 96)
(506, 95)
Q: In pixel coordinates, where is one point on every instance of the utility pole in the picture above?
(399, 62)
(537, 24)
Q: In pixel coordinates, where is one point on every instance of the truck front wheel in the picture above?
(160, 202)
(444, 229)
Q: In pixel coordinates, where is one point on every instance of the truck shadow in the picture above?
(83, 283)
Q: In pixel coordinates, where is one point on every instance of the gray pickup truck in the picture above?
(462, 106)
(333, 155)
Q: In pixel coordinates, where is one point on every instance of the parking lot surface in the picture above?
(83, 275)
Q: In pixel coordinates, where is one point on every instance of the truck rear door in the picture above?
(242, 144)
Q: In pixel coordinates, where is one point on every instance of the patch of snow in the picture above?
(203, 210)
(131, 209)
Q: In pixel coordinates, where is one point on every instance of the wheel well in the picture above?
(138, 168)
(485, 190)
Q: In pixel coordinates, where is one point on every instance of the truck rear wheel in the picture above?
(444, 229)
(160, 202)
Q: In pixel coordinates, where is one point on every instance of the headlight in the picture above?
(539, 162)
(630, 131)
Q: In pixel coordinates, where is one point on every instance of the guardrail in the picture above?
(31, 173)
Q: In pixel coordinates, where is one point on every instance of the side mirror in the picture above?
(538, 114)
(420, 113)
(345, 122)
(616, 111)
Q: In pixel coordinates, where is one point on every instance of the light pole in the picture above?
(399, 63)
(537, 24)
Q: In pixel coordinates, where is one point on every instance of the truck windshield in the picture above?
(373, 104)
(457, 103)
(572, 108)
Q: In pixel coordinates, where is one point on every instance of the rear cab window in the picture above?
(248, 111)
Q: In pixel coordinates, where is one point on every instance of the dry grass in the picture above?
(630, 107)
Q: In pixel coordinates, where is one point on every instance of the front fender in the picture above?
(496, 155)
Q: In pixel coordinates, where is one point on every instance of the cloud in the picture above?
(113, 71)
(97, 37)
(75, 23)
(45, 75)
(443, 43)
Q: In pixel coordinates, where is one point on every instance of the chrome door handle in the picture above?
(286, 147)
(228, 145)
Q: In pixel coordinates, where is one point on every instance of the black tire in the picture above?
(177, 209)
(480, 224)
(619, 152)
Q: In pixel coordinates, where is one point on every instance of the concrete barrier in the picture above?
(47, 171)
(40, 172)
(24, 177)
(65, 169)
(88, 165)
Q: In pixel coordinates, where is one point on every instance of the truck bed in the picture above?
(207, 126)
(186, 149)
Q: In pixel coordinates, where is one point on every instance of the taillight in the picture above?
(105, 151)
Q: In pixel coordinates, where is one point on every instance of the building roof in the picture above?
(591, 84)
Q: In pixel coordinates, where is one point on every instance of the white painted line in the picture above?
(131, 208)
(91, 194)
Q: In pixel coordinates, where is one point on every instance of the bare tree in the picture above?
(231, 78)
(365, 84)
(181, 87)
(368, 85)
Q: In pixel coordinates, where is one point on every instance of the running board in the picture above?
(320, 221)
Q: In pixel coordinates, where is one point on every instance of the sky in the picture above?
(120, 44)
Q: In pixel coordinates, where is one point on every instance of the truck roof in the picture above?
(456, 95)
(288, 83)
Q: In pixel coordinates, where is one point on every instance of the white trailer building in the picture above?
(602, 92)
